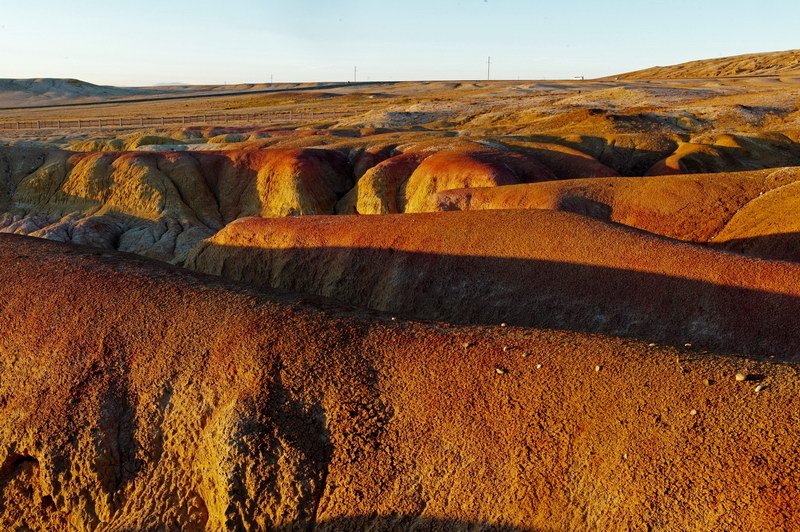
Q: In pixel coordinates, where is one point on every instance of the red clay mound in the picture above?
(768, 226)
(688, 207)
(378, 190)
(278, 182)
(142, 397)
(534, 268)
(468, 167)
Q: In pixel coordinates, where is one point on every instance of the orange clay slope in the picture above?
(748, 212)
(691, 207)
(138, 396)
(532, 268)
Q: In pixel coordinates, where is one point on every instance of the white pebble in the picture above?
(741, 377)
(501, 371)
(506, 348)
(759, 388)
(693, 412)
(598, 368)
(538, 366)
(503, 324)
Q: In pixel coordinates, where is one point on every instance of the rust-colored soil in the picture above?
(138, 396)
(532, 268)
(750, 212)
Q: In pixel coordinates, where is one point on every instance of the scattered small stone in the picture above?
(741, 377)
(538, 366)
(504, 324)
(72, 401)
(693, 412)
(466, 345)
(598, 368)
(708, 382)
(525, 355)
(393, 318)
(625, 456)
(651, 345)
(500, 371)
(760, 387)
(506, 349)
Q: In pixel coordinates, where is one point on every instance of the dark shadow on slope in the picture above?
(777, 246)
(628, 161)
(526, 292)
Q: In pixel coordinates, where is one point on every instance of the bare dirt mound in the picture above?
(747, 212)
(380, 189)
(468, 167)
(768, 226)
(532, 268)
(762, 64)
(139, 396)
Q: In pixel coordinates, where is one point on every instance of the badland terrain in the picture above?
(475, 305)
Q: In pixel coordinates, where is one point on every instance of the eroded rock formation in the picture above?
(161, 204)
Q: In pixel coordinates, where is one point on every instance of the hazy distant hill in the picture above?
(43, 91)
(765, 64)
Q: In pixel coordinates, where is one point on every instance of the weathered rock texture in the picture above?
(137, 396)
(160, 204)
(533, 268)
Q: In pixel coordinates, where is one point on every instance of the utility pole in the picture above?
(355, 71)
(270, 79)
(489, 68)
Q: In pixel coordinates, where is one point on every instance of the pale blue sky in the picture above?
(214, 41)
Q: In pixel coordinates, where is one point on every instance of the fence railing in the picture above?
(266, 118)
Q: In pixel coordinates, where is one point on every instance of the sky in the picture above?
(145, 42)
